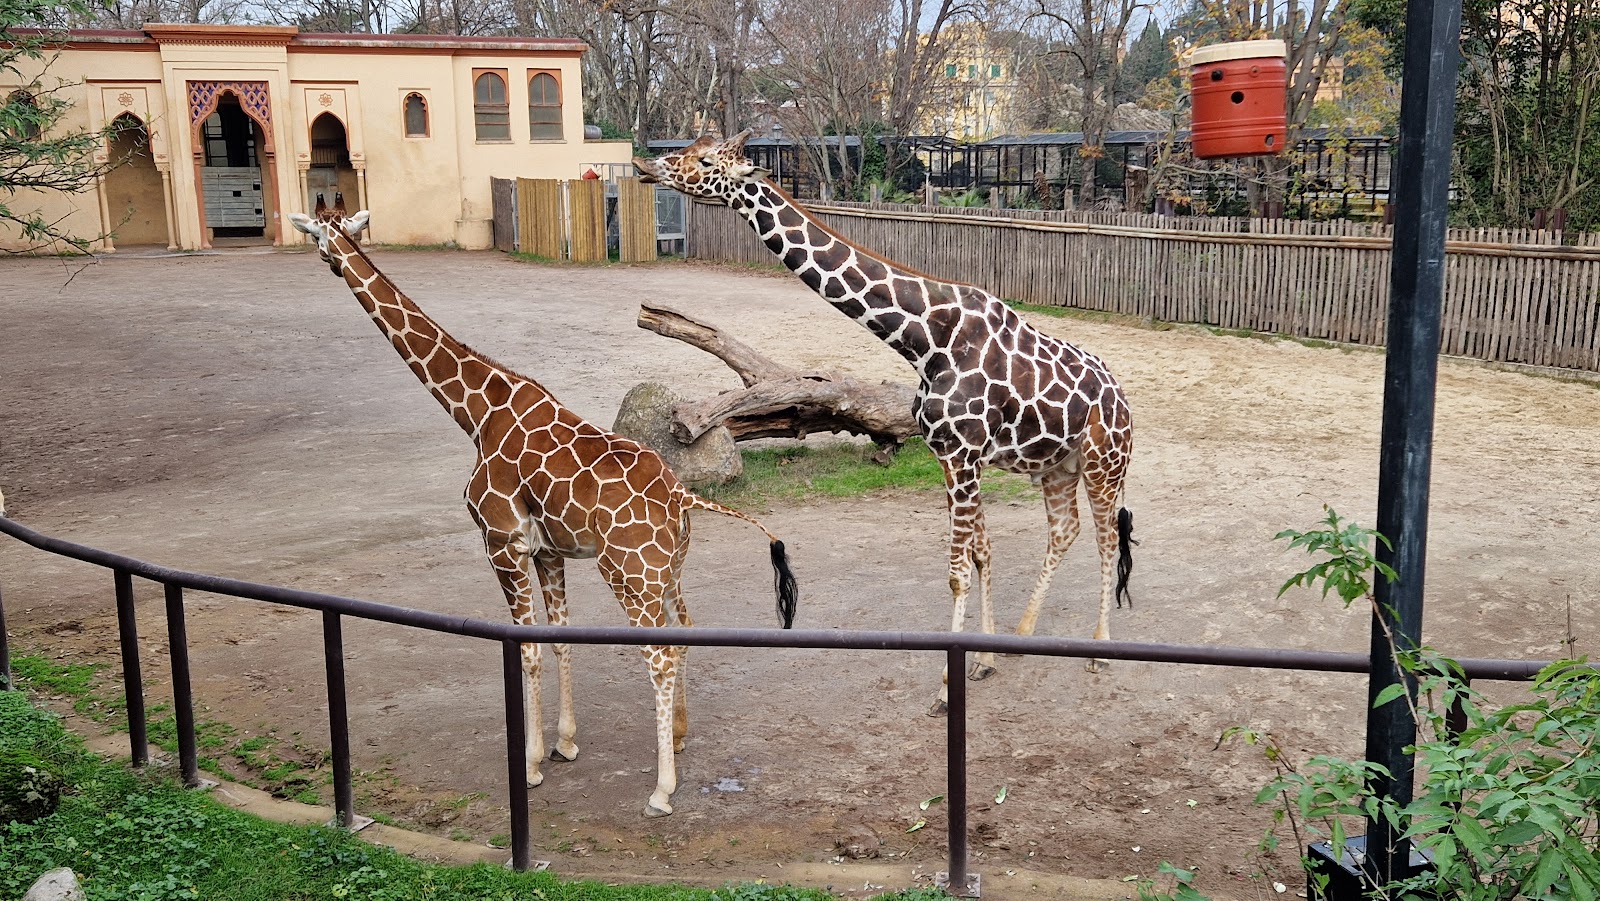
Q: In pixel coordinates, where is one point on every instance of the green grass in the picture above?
(134, 837)
(847, 470)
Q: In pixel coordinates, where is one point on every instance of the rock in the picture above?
(646, 417)
(56, 885)
(858, 842)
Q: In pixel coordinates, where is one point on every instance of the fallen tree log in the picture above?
(777, 401)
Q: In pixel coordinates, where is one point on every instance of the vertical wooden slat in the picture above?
(586, 206)
(636, 221)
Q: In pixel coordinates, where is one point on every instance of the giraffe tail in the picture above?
(783, 581)
(1125, 544)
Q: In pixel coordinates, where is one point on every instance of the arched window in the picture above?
(416, 116)
(491, 112)
(544, 107)
(26, 109)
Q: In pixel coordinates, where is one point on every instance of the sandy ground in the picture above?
(238, 414)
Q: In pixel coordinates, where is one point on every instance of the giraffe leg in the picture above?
(663, 663)
(553, 579)
(1104, 500)
(961, 479)
(640, 585)
(509, 542)
(1061, 513)
(680, 611)
(982, 662)
(508, 554)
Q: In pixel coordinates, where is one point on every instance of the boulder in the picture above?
(56, 885)
(646, 416)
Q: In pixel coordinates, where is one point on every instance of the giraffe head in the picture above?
(321, 227)
(715, 170)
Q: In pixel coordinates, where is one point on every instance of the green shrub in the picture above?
(29, 789)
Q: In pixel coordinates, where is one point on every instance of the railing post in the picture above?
(344, 816)
(5, 650)
(959, 882)
(182, 696)
(132, 681)
(516, 756)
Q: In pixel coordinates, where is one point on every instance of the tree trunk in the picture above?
(779, 402)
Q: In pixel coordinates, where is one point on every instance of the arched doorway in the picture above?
(331, 173)
(231, 183)
(136, 201)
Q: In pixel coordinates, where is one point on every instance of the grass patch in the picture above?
(847, 470)
(134, 837)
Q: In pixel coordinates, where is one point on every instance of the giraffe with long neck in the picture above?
(994, 391)
(546, 487)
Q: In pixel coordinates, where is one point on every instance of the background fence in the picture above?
(1512, 296)
(582, 220)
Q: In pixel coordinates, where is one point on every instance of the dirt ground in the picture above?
(238, 414)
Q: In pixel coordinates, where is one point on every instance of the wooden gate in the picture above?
(541, 221)
(586, 201)
(636, 220)
(503, 192)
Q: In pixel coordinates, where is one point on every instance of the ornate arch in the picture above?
(256, 101)
(253, 98)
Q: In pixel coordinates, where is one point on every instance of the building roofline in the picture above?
(154, 34)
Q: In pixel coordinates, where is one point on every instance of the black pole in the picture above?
(516, 756)
(1416, 290)
(344, 804)
(5, 650)
(132, 680)
(956, 760)
(182, 696)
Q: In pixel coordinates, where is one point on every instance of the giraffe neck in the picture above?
(466, 383)
(890, 300)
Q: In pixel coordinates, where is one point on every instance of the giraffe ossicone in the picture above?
(993, 390)
(549, 486)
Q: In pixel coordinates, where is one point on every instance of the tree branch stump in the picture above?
(779, 402)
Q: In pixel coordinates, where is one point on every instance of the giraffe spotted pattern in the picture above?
(993, 390)
(548, 486)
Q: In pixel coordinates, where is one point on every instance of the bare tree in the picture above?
(824, 78)
(1090, 35)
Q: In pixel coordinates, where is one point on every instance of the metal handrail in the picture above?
(956, 645)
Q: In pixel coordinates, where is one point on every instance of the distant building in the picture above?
(974, 95)
(230, 128)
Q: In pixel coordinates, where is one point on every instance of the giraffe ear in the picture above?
(736, 143)
(304, 223)
(357, 223)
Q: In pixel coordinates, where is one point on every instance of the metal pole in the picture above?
(132, 681)
(182, 697)
(956, 782)
(344, 804)
(516, 756)
(1416, 290)
(6, 683)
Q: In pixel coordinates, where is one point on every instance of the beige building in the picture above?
(975, 92)
(237, 126)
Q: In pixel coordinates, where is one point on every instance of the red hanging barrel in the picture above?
(1237, 92)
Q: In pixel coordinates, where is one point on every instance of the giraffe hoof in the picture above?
(1096, 665)
(653, 812)
(939, 708)
(561, 756)
(535, 780)
(677, 746)
(979, 672)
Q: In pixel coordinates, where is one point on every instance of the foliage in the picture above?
(133, 837)
(1149, 59)
(1350, 558)
(1527, 107)
(38, 154)
(970, 198)
(29, 790)
(1509, 806)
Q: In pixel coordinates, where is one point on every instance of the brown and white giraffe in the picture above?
(994, 390)
(546, 487)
